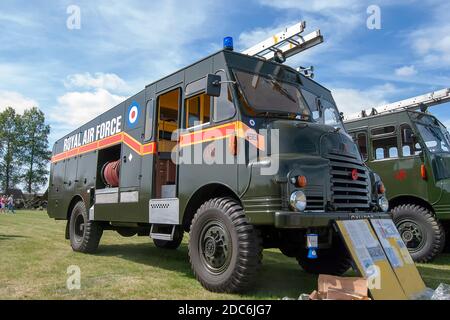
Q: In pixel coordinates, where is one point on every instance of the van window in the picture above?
(383, 130)
(149, 120)
(385, 148)
(223, 106)
(198, 110)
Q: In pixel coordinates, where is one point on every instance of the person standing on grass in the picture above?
(11, 204)
(4, 201)
(2, 204)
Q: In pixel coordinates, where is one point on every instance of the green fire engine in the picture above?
(410, 149)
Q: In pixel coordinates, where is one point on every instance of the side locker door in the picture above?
(56, 189)
(130, 170)
(70, 179)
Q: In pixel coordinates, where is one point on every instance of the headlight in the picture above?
(383, 203)
(298, 201)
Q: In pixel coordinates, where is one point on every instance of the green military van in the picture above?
(410, 150)
(275, 165)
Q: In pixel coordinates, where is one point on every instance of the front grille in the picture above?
(314, 198)
(348, 194)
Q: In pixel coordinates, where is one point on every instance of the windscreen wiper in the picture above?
(279, 88)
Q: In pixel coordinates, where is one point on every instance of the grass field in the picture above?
(34, 257)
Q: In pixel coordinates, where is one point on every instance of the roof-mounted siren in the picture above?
(286, 43)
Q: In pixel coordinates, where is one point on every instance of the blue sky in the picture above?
(74, 75)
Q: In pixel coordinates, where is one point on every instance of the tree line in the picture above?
(24, 149)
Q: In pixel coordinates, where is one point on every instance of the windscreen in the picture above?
(323, 111)
(434, 135)
(266, 94)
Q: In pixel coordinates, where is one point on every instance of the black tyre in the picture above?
(334, 261)
(171, 245)
(85, 235)
(224, 248)
(422, 233)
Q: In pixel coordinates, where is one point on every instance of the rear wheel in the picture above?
(334, 261)
(173, 244)
(224, 248)
(422, 233)
(85, 235)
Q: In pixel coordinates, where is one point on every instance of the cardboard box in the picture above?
(340, 288)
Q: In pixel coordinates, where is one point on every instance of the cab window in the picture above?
(386, 148)
(410, 147)
(198, 110)
(223, 105)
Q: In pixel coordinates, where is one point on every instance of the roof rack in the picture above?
(420, 102)
(288, 43)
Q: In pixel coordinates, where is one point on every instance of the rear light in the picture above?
(423, 172)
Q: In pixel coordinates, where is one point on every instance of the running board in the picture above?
(162, 232)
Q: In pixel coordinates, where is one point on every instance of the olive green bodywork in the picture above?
(324, 154)
(402, 173)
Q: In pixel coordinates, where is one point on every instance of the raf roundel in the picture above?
(133, 114)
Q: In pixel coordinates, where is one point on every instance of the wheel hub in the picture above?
(412, 235)
(407, 236)
(79, 226)
(210, 247)
(215, 247)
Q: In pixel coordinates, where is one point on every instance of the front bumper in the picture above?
(298, 220)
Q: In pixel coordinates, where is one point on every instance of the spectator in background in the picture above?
(11, 204)
(2, 204)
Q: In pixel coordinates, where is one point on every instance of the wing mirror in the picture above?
(213, 85)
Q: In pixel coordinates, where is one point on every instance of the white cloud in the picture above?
(76, 108)
(351, 101)
(313, 5)
(16, 100)
(108, 81)
(406, 71)
(433, 44)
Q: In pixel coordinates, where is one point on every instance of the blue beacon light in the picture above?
(228, 43)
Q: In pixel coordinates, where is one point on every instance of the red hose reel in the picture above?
(111, 173)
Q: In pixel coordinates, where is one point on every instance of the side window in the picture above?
(311, 100)
(198, 110)
(361, 140)
(223, 106)
(409, 145)
(149, 114)
(385, 148)
(383, 130)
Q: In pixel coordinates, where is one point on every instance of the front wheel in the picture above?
(84, 235)
(224, 248)
(422, 233)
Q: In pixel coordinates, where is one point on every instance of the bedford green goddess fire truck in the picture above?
(275, 165)
(410, 149)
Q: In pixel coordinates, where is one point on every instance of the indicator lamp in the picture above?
(228, 43)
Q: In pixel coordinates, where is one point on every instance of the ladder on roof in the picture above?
(289, 42)
(426, 100)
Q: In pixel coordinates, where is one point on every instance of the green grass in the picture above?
(34, 257)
